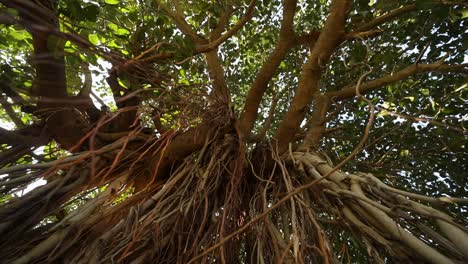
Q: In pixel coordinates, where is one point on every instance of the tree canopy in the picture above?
(232, 131)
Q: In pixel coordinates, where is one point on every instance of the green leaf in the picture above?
(113, 44)
(94, 39)
(83, 58)
(404, 153)
(121, 32)
(112, 26)
(390, 89)
(383, 113)
(112, 2)
(19, 34)
(464, 13)
(424, 91)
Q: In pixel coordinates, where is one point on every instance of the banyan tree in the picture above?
(233, 131)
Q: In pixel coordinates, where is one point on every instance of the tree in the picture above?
(235, 132)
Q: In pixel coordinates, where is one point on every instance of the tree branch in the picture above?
(368, 28)
(221, 39)
(309, 83)
(271, 114)
(11, 113)
(215, 68)
(179, 20)
(123, 101)
(387, 17)
(116, 88)
(216, 73)
(222, 23)
(88, 81)
(350, 91)
(267, 71)
(26, 136)
(317, 122)
(307, 39)
(160, 56)
(421, 119)
(10, 92)
(64, 123)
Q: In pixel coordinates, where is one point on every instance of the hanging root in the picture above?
(215, 207)
(398, 221)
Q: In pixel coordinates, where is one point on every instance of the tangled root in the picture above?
(216, 207)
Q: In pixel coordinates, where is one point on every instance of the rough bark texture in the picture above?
(198, 190)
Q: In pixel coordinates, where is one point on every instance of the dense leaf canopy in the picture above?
(117, 103)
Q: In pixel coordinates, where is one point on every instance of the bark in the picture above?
(309, 84)
(67, 125)
(266, 73)
(350, 90)
(194, 193)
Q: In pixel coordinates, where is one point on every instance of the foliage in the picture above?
(220, 131)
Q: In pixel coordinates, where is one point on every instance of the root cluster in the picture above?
(218, 205)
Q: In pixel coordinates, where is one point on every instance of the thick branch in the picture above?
(160, 56)
(307, 39)
(329, 39)
(115, 87)
(317, 122)
(178, 148)
(6, 88)
(63, 123)
(27, 136)
(128, 104)
(350, 91)
(88, 81)
(216, 73)
(213, 61)
(266, 73)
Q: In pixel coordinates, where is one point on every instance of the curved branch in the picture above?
(387, 17)
(309, 83)
(368, 29)
(179, 20)
(422, 119)
(88, 80)
(222, 23)
(64, 123)
(317, 122)
(271, 114)
(216, 73)
(221, 39)
(267, 71)
(31, 136)
(11, 113)
(350, 91)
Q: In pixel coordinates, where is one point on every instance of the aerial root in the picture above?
(209, 210)
(387, 214)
